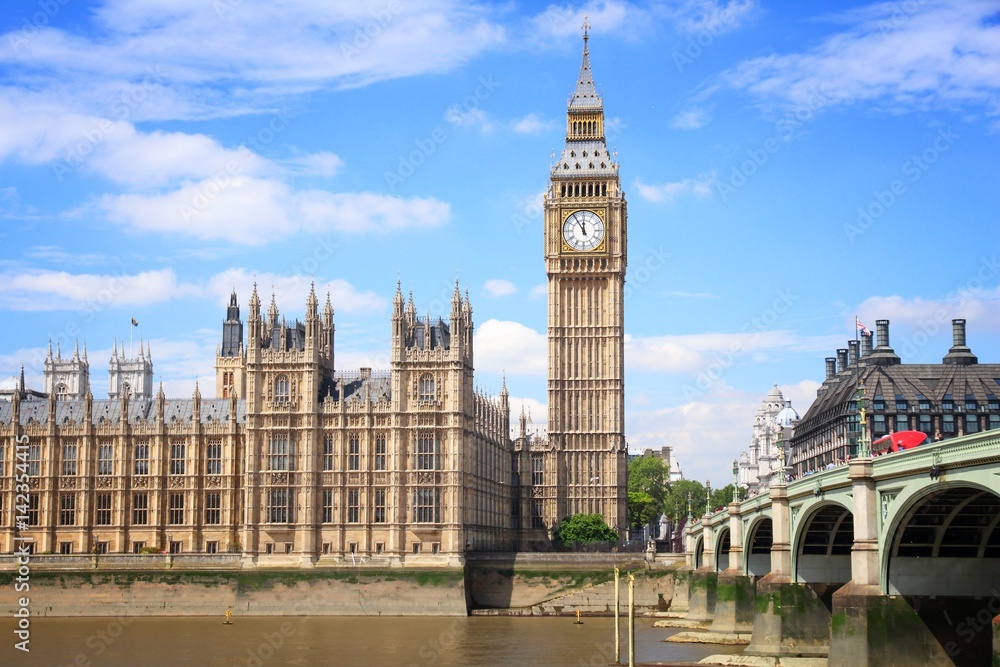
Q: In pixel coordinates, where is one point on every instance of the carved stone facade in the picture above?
(409, 465)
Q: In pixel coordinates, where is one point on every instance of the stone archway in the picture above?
(722, 545)
(941, 554)
(758, 548)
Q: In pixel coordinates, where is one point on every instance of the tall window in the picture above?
(537, 471)
(105, 458)
(177, 450)
(102, 509)
(176, 505)
(426, 387)
(878, 425)
(924, 423)
(67, 509)
(277, 506)
(354, 453)
(34, 460)
(140, 509)
(3, 457)
(328, 452)
(32, 512)
(282, 390)
(69, 459)
(380, 452)
(213, 508)
(327, 505)
(379, 506)
(971, 424)
(426, 505)
(948, 424)
(279, 452)
(353, 505)
(213, 458)
(537, 519)
(426, 446)
(142, 458)
(902, 423)
(994, 421)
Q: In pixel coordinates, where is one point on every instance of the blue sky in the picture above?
(787, 165)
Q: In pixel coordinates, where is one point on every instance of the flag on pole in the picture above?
(135, 322)
(862, 329)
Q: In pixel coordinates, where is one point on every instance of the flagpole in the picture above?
(130, 328)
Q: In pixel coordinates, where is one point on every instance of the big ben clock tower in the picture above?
(585, 257)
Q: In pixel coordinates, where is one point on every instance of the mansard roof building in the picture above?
(294, 461)
(957, 397)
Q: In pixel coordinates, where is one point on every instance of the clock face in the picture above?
(583, 230)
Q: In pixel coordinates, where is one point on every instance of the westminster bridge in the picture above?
(892, 560)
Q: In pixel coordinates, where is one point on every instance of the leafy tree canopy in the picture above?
(649, 475)
(585, 529)
(642, 509)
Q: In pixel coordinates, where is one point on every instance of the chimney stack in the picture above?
(831, 367)
(852, 358)
(842, 359)
(883, 355)
(866, 345)
(959, 354)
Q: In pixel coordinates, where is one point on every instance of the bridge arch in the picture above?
(955, 522)
(723, 541)
(757, 546)
(823, 535)
(940, 551)
(699, 551)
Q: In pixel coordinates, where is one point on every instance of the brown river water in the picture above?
(337, 642)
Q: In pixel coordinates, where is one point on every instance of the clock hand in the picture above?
(583, 228)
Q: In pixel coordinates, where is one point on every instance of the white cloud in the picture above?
(695, 16)
(37, 290)
(941, 55)
(323, 164)
(219, 56)
(499, 287)
(511, 347)
(253, 211)
(604, 16)
(290, 291)
(690, 119)
(700, 187)
(532, 124)
(476, 118)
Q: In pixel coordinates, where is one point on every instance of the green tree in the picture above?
(584, 529)
(648, 487)
(677, 498)
(642, 508)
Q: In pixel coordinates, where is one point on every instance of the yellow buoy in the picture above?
(577, 621)
(229, 617)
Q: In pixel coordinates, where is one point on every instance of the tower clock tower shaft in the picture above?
(585, 258)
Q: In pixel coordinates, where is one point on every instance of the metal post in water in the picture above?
(618, 639)
(631, 619)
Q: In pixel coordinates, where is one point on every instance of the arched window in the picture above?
(281, 389)
(426, 387)
(61, 391)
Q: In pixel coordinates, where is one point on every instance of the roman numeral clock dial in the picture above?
(583, 230)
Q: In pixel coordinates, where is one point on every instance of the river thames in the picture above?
(338, 641)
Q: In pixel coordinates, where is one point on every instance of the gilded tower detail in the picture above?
(585, 259)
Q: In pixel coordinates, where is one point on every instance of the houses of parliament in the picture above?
(293, 460)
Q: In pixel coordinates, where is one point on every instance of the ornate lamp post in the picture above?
(782, 479)
(708, 496)
(736, 481)
(864, 446)
(690, 515)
